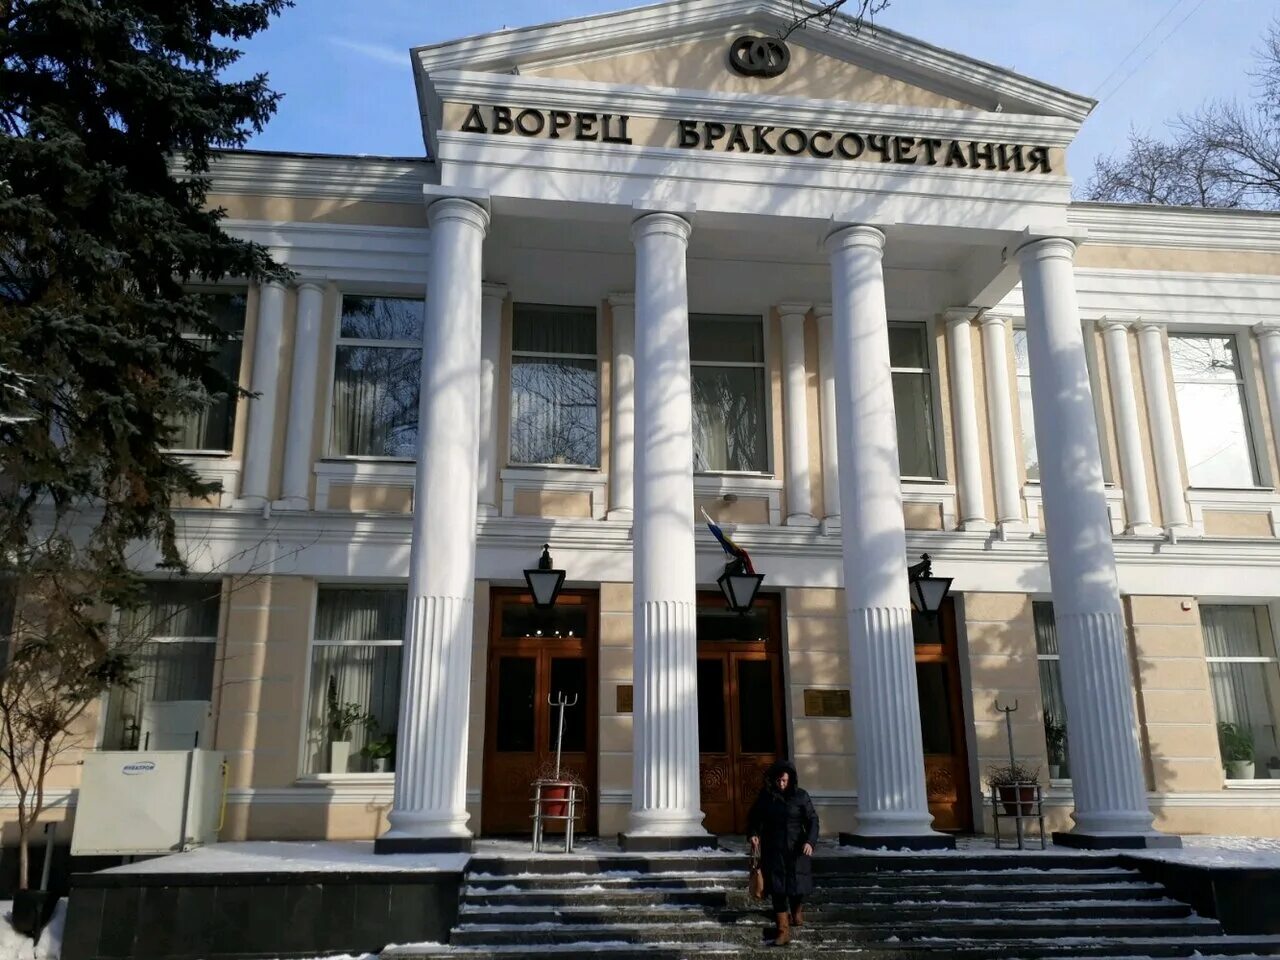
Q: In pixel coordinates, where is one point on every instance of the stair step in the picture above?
(673, 880)
(1013, 876)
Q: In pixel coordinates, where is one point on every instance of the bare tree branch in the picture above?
(825, 14)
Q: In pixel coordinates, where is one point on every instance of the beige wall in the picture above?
(615, 669)
(244, 206)
(1114, 257)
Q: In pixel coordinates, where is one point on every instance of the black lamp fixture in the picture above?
(927, 591)
(739, 584)
(544, 582)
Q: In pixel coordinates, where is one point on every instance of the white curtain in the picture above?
(375, 401)
(1240, 690)
(1055, 707)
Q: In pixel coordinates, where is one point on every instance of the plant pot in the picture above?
(1055, 771)
(380, 764)
(1239, 769)
(339, 755)
(1018, 799)
(555, 800)
(32, 910)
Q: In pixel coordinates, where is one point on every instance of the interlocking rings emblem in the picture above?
(759, 56)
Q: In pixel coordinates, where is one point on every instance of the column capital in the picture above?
(858, 235)
(315, 283)
(990, 318)
(822, 311)
(955, 315)
(1121, 321)
(1142, 324)
(493, 291)
(1046, 248)
(789, 311)
(460, 210)
(626, 299)
(1267, 329)
(274, 284)
(670, 224)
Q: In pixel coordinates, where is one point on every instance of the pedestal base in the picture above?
(1117, 841)
(915, 841)
(422, 845)
(646, 843)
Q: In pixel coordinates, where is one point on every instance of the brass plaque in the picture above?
(826, 703)
(624, 697)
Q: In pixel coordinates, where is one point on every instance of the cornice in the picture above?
(339, 177)
(668, 102)
(1177, 227)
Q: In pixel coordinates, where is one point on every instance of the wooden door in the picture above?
(740, 715)
(946, 763)
(536, 655)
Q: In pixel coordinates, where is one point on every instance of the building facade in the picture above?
(850, 311)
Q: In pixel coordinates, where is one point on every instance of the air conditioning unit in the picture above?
(148, 802)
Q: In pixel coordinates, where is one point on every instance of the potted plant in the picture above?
(1273, 768)
(556, 790)
(340, 718)
(1055, 738)
(1016, 786)
(1237, 750)
(380, 751)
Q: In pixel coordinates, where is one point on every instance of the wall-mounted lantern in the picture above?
(927, 591)
(544, 582)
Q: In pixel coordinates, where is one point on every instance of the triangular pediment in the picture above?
(685, 44)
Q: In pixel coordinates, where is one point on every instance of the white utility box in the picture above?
(148, 802)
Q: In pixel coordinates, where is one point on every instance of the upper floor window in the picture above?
(913, 399)
(377, 368)
(1209, 386)
(555, 389)
(1022, 367)
(172, 637)
(210, 429)
(1244, 676)
(729, 411)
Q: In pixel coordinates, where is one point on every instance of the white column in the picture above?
(1164, 439)
(430, 810)
(296, 486)
(492, 297)
(1106, 767)
(795, 409)
(827, 417)
(886, 710)
(255, 474)
(665, 797)
(1133, 467)
(1268, 335)
(622, 438)
(973, 505)
(1004, 445)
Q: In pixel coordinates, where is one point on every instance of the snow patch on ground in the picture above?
(263, 856)
(1220, 852)
(18, 946)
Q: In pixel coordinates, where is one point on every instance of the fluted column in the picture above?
(430, 810)
(827, 416)
(1107, 780)
(295, 487)
(1133, 466)
(972, 498)
(886, 709)
(255, 474)
(665, 796)
(1004, 446)
(492, 297)
(622, 439)
(1268, 335)
(795, 409)
(1164, 438)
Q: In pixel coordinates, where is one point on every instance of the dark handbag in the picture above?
(755, 878)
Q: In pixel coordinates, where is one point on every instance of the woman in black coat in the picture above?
(783, 829)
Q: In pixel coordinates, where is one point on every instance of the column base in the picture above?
(1117, 841)
(423, 845)
(621, 514)
(1144, 530)
(977, 526)
(652, 843)
(831, 525)
(802, 520)
(291, 503)
(914, 841)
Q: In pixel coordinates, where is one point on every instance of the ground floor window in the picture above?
(1244, 675)
(173, 640)
(1055, 708)
(354, 697)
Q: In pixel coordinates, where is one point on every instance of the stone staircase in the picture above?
(868, 906)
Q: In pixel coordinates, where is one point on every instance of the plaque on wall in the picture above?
(826, 703)
(624, 698)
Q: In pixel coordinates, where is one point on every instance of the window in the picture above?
(729, 414)
(173, 638)
(1209, 387)
(1055, 708)
(1022, 367)
(1244, 676)
(555, 388)
(376, 371)
(211, 429)
(355, 668)
(913, 399)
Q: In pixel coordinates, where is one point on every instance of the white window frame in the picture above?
(313, 642)
(1250, 412)
(764, 366)
(341, 341)
(935, 401)
(1274, 646)
(234, 400)
(511, 363)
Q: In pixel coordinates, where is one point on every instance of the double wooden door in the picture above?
(946, 763)
(537, 658)
(740, 715)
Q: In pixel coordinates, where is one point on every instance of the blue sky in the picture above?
(343, 65)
